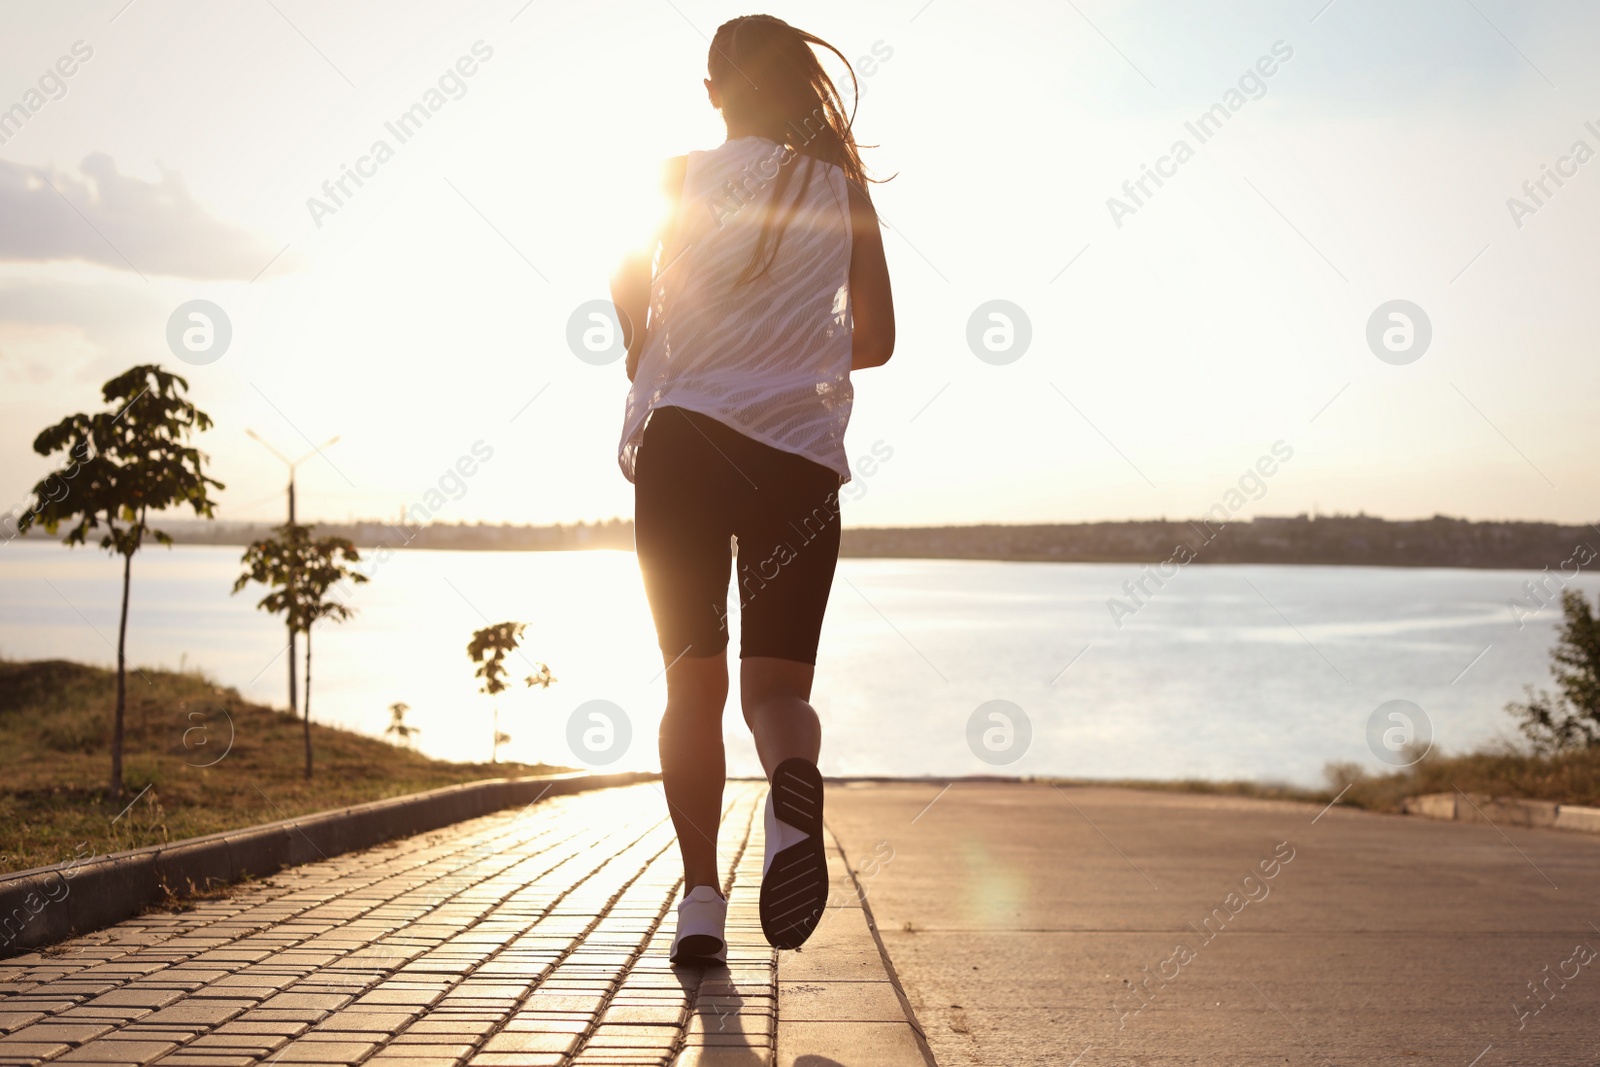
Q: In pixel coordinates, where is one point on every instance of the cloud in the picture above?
(121, 222)
(106, 314)
(51, 329)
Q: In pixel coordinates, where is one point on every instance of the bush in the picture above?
(1569, 720)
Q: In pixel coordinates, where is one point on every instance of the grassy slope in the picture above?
(55, 729)
(1569, 778)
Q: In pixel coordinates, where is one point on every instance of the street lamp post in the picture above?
(294, 695)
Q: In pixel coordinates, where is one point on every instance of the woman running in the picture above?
(768, 289)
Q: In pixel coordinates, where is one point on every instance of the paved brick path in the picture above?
(522, 939)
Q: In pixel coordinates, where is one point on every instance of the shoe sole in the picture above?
(700, 948)
(794, 892)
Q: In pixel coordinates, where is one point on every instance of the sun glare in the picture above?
(610, 202)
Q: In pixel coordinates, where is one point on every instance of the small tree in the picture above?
(301, 574)
(124, 464)
(489, 648)
(397, 728)
(1570, 719)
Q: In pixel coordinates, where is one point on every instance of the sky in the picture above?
(1154, 344)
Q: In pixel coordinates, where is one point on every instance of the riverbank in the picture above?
(1566, 778)
(198, 759)
(215, 761)
(1333, 540)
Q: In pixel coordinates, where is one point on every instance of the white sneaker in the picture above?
(702, 916)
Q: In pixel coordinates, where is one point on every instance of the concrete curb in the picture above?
(1504, 811)
(50, 904)
(840, 999)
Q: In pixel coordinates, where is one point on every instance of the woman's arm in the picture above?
(871, 300)
(630, 285)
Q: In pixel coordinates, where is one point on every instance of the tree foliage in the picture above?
(301, 574)
(124, 464)
(398, 728)
(121, 466)
(1570, 718)
(489, 648)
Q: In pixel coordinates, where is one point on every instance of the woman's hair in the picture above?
(772, 84)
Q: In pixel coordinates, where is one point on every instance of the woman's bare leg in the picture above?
(693, 767)
(776, 695)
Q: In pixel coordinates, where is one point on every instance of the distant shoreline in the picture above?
(1162, 545)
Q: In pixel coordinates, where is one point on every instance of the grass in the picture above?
(55, 730)
(1254, 790)
(1566, 778)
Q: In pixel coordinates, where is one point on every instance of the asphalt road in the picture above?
(1036, 925)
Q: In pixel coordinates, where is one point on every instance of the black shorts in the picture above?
(697, 484)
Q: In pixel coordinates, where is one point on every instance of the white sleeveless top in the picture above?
(769, 358)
